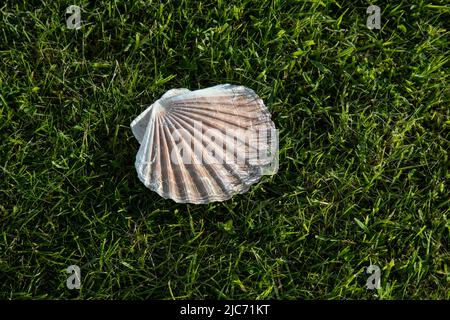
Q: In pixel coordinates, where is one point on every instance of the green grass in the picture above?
(363, 117)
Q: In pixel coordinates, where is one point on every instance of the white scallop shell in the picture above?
(205, 145)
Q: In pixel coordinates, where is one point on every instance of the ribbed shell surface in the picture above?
(177, 162)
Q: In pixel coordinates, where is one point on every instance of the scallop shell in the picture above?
(205, 145)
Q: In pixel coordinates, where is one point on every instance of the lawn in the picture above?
(363, 120)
